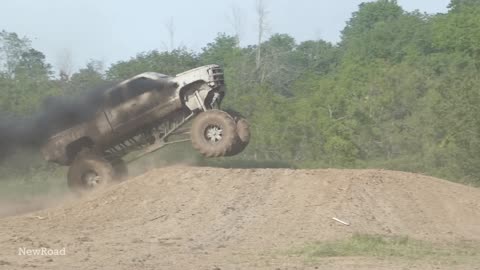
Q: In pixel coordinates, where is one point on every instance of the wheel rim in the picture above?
(213, 133)
(91, 179)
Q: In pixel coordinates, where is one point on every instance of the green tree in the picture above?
(24, 76)
(170, 63)
(87, 78)
(458, 5)
(457, 32)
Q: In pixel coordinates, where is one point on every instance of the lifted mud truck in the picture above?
(139, 116)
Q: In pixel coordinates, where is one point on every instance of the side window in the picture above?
(138, 87)
(131, 90)
(115, 98)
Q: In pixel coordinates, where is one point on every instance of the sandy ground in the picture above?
(209, 218)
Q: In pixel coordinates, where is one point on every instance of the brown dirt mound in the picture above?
(202, 218)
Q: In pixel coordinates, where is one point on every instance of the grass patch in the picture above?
(26, 174)
(32, 184)
(378, 246)
(20, 190)
(236, 163)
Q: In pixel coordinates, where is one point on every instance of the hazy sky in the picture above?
(112, 30)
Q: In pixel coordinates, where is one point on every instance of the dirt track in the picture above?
(206, 218)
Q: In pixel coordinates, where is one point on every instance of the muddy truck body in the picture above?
(139, 116)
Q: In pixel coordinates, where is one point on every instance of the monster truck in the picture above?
(139, 116)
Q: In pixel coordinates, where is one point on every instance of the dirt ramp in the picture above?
(229, 204)
(203, 216)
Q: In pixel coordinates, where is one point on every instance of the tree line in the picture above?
(401, 90)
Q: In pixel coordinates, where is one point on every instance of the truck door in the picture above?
(127, 108)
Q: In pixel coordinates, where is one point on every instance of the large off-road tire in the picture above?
(243, 133)
(213, 133)
(89, 172)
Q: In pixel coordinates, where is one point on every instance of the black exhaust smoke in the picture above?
(56, 113)
(61, 112)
